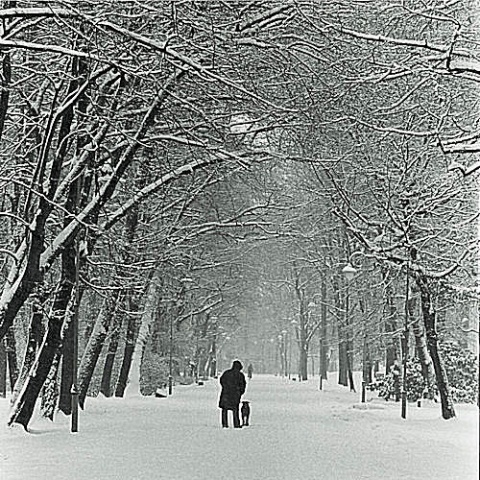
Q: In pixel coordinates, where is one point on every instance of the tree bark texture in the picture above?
(5, 80)
(11, 347)
(303, 367)
(22, 409)
(106, 384)
(50, 390)
(150, 307)
(323, 333)
(351, 381)
(342, 362)
(131, 224)
(429, 318)
(35, 335)
(392, 350)
(421, 347)
(95, 344)
(68, 277)
(342, 347)
(302, 341)
(66, 377)
(3, 369)
(393, 347)
(349, 341)
(128, 349)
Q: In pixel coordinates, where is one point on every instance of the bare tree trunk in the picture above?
(50, 390)
(342, 360)
(303, 367)
(429, 318)
(68, 278)
(3, 369)
(302, 342)
(95, 344)
(323, 333)
(131, 225)
(351, 382)
(148, 317)
(11, 347)
(66, 378)
(22, 409)
(341, 337)
(128, 350)
(390, 315)
(393, 348)
(349, 342)
(428, 371)
(35, 335)
(367, 361)
(5, 80)
(105, 386)
(213, 357)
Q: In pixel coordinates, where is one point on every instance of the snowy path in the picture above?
(297, 433)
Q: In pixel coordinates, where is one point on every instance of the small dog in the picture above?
(245, 413)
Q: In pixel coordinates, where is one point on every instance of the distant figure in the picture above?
(250, 371)
(233, 387)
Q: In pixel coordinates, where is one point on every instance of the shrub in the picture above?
(415, 384)
(461, 366)
(462, 372)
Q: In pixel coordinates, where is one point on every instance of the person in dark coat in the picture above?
(233, 387)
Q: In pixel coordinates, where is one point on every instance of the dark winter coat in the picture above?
(233, 387)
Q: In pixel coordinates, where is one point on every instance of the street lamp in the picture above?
(280, 354)
(213, 349)
(294, 324)
(405, 347)
(74, 387)
(170, 362)
(285, 347)
(349, 273)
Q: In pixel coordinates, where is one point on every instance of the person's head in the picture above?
(237, 365)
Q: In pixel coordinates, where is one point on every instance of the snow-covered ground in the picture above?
(297, 433)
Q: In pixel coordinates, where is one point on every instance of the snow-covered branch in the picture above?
(50, 48)
(35, 12)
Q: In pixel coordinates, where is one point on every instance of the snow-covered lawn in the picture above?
(297, 433)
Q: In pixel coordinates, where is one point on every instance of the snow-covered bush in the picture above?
(462, 372)
(415, 384)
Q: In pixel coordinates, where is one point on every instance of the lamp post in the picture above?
(349, 273)
(170, 359)
(405, 348)
(294, 324)
(311, 308)
(272, 356)
(285, 362)
(280, 354)
(213, 349)
(74, 387)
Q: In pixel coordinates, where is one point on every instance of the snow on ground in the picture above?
(297, 433)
